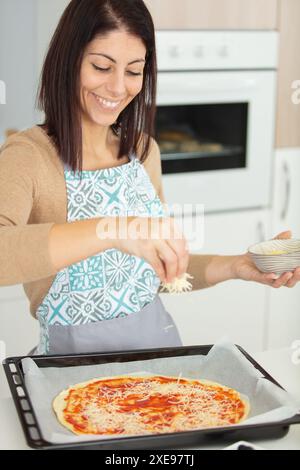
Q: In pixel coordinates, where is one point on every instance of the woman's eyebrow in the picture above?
(113, 60)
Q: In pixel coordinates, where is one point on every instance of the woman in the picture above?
(91, 162)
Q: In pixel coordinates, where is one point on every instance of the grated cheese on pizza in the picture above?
(178, 285)
(129, 405)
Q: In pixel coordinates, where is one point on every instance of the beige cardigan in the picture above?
(32, 199)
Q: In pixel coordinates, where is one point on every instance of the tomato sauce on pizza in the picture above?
(130, 405)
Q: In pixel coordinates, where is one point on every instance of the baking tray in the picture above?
(15, 376)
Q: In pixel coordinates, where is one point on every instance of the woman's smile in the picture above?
(106, 105)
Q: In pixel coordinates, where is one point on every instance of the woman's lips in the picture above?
(106, 104)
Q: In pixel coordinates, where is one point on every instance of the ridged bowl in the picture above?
(276, 256)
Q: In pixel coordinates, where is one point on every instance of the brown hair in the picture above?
(58, 94)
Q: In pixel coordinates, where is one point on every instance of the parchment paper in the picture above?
(224, 364)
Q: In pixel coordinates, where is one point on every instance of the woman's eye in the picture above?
(100, 68)
(135, 74)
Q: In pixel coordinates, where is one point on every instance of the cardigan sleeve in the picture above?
(24, 247)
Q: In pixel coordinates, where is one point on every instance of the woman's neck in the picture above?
(100, 148)
(95, 139)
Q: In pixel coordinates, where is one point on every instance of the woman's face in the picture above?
(111, 76)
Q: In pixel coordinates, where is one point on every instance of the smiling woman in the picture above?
(85, 165)
(91, 162)
(115, 89)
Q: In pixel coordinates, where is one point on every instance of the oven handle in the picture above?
(260, 230)
(173, 83)
(287, 193)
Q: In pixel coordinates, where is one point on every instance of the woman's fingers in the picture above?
(294, 279)
(181, 251)
(165, 260)
(283, 235)
(282, 280)
(169, 258)
(162, 244)
(172, 250)
(287, 279)
(158, 265)
(179, 244)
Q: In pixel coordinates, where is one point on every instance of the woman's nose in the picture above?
(116, 84)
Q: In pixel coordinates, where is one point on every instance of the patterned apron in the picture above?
(110, 301)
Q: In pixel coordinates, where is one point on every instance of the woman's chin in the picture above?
(102, 121)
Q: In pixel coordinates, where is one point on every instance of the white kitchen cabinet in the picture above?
(236, 309)
(214, 14)
(18, 329)
(284, 304)
(288, 107)
(19, 332)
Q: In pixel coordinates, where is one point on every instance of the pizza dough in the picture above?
(138, 405)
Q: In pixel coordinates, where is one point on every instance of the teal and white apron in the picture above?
(110, 301)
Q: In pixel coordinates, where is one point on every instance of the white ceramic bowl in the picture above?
(276, 256)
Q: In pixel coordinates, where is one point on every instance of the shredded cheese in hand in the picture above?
(178, 285)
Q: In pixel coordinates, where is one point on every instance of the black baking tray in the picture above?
(34, 437)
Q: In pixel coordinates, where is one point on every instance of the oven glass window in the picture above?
(202, 137)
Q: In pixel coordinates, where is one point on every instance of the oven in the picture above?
(215, 117)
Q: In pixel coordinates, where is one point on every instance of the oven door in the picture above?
(216, 135)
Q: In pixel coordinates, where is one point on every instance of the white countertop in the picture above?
(278, 363)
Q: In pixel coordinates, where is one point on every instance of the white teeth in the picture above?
(107, 104)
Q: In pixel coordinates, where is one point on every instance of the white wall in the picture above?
(17, 62)
(48, 13)
(26, 27)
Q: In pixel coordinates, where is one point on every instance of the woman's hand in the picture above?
(158, 240)
(244, 268)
